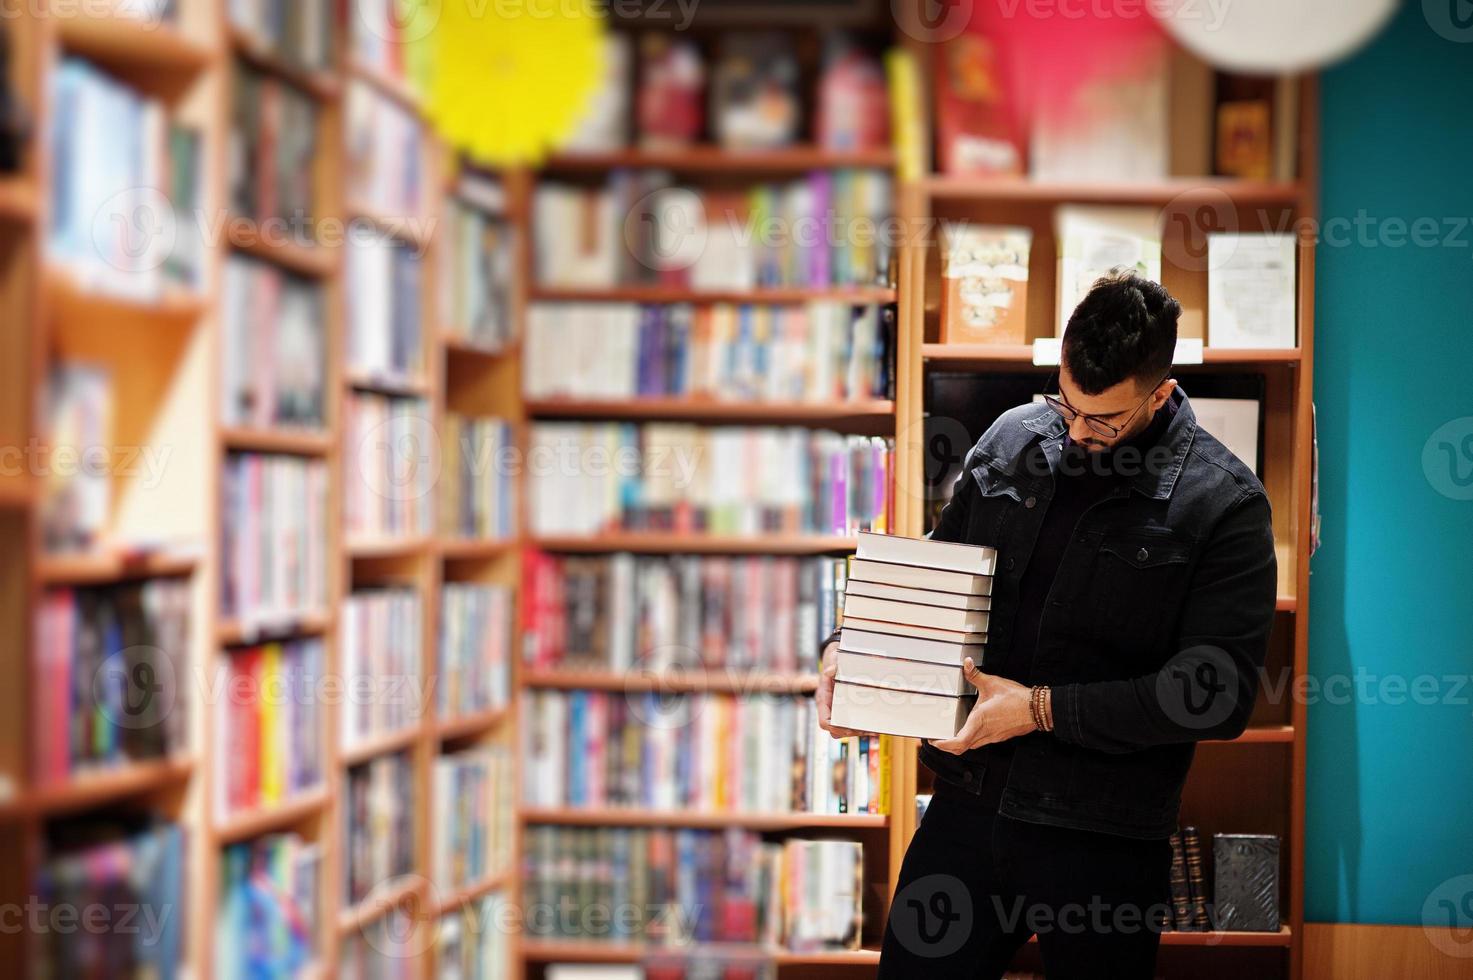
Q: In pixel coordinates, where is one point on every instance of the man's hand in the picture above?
(1001, 712)
(829, 666)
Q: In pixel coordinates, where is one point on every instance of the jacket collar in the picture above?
(1156, 482)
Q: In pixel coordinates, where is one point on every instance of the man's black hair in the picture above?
(1125, 327)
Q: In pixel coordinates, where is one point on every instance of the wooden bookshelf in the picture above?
(709, 820)
(773, 295)
(715, 160)
(650, 542)
(712, 410)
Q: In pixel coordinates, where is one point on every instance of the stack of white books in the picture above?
(914, 610)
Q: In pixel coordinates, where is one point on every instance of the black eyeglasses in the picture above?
(1096, 424)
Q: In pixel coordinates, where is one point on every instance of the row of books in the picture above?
(1251, 277)
(76, 502)
(479, 267)
(815, 352)
(747, 93)
(110, 668)
(379, 35)
(677, 887)
(268, 726)
(298, 31)
(1244, 886)
(272, 152)
(388, 465)
(826, 229)
(266, 919)
(474, 671)
(114, 155)
(477, 486)
(378, 825)
(623, 613)
(386, 168)
(273, 528)
(130, 873)
(385, 305)
(590, 478)
(701, 752)
(474, 814)
(382, 633)
(470, 946)
(272, 354)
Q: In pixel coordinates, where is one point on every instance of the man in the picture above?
(1130, 616)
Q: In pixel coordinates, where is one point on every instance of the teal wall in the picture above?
(1390, 781)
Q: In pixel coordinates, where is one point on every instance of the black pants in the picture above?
(974, 886)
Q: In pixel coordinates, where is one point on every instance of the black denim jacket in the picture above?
(1152, 636)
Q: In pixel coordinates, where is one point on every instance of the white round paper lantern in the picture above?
(1272, 36)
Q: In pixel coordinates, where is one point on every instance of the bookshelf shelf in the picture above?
(476, 547)
(457, 346)
(387, 547)
(16, 492)
(1176, 191)
(133, 43)
(18, 201)
(256, 52)
(398, 89)
(776, 296)
(74, 301)
(714, 681)
(99, 569)
(381, 903)
(97, 789)
(290, 441)
(1280, 938)
(1262, 735)
(597, 951)
(648, 542)
(313, 261)
(450, 729)
(629, 817)
(414, 230)
(235, 632)
(469, 893)
(717, 160)
(375, 746)
(289, 813)
(412, 386)
(700, 410)
(958, 355)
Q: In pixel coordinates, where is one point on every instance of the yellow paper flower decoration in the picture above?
(507, 80)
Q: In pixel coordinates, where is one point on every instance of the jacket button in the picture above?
(1142, 555)
(1030, 503)
(967, 776)
(1008, 564)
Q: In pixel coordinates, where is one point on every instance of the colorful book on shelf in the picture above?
(385, 164)
(119, 866)
(473, 817)
(384, 306)
(271, 152)
(671, 80)
(381, 631)
(267, 739)
(1251, 296)
(702, 753)
(390, 491)
(853, 105)
(977, 129)
(818, 352)
(477, 491)
(300, 32)
(379, 823)
(754, 91)
(478, 273)
(984, 284)
(266, 912)
(93, 648)
(476, 628)
(76, 501)
(273, 353)
(724, 480)
(620, 613)
(273, 555)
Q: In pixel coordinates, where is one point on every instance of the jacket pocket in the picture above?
(1138, 582)
(956, 771)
